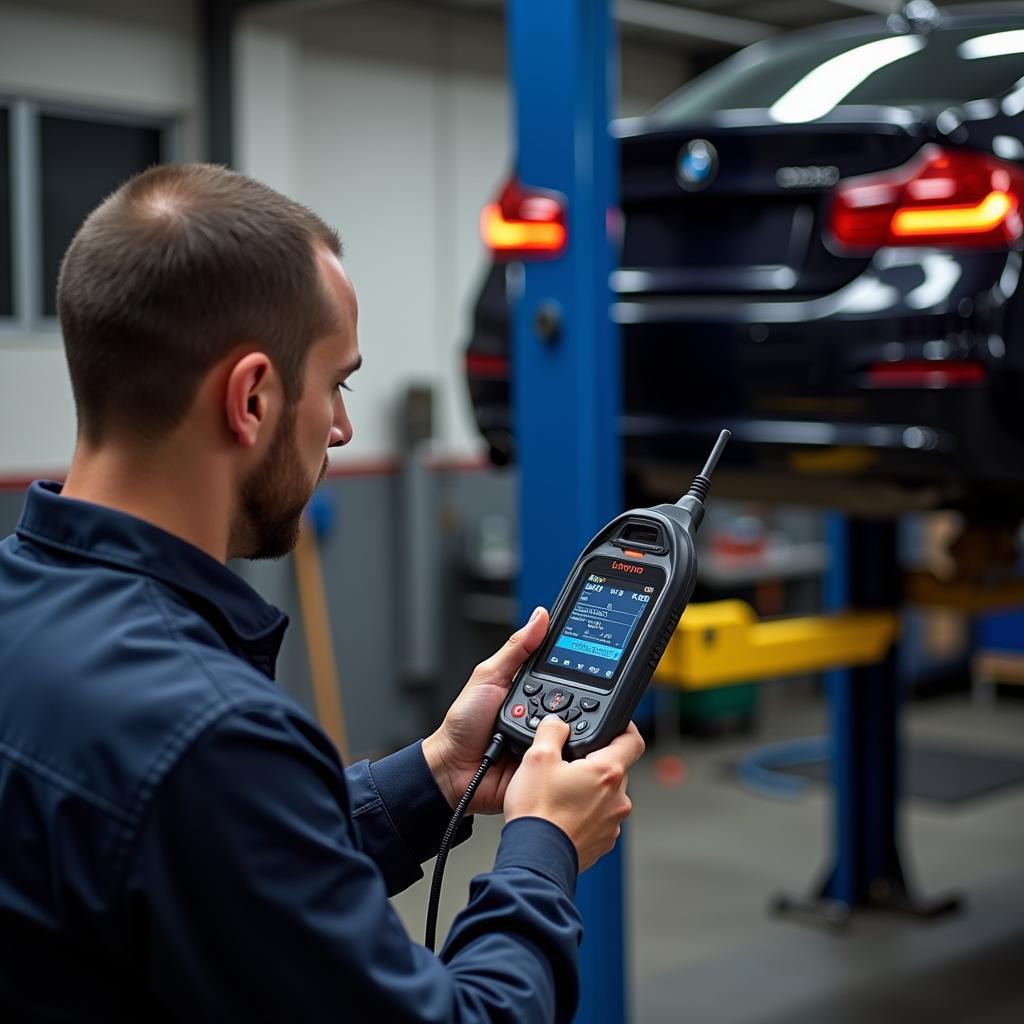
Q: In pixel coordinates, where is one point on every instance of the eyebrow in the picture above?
(350, 368)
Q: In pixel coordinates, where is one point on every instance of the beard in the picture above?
(272, 498)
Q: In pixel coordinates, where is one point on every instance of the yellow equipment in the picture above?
(724, 642)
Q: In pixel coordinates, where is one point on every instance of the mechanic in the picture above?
(180, 840)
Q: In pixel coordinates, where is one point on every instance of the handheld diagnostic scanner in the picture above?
(609, 627)
(611, 624)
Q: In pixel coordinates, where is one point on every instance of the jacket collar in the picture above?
(106, 536)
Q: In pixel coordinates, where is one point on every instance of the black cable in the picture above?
(492, 754)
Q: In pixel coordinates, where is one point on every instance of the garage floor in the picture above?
(705, 856)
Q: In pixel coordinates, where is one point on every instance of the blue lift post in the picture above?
(864, 705)
(566, 382)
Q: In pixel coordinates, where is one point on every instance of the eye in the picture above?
(344, 386)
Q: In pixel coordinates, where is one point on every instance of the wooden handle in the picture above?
(319, 645)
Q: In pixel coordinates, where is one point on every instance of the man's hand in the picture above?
(586, 799)
(455, 751)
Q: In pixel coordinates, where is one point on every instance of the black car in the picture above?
(822, 251)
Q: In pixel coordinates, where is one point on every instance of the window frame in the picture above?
(24, 114)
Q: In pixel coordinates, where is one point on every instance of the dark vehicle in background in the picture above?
(822, 251)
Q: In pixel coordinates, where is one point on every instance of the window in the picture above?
(56, 164)
(81, 161)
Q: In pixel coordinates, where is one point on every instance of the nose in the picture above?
(341, 428)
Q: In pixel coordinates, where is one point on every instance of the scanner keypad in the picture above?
(558, 700)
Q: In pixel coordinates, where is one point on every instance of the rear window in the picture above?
(806, 77)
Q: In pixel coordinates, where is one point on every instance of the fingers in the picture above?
(625, 750)
(551, 736)
(519, 646)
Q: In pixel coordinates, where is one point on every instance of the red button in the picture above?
(518, 710)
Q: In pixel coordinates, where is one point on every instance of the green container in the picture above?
(718, 710)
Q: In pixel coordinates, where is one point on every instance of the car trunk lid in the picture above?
(756, 223)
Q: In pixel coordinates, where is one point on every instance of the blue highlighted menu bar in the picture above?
(586, 647)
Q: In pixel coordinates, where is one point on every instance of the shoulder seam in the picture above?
(62, 781)
(156, 597)
(179, 740)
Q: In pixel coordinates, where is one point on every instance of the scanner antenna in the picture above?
(702, 481)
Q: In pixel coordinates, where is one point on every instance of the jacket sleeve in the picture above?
(399, 814)
(247, 898)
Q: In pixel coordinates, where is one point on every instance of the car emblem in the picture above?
(807, 177)
(697, 165)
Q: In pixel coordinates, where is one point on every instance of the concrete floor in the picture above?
(704, 858)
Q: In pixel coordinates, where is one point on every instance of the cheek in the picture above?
(316, 431)
(323, 436)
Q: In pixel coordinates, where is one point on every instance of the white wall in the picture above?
(391, 120)
(139, 57)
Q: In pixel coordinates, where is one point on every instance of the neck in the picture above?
(184, 496)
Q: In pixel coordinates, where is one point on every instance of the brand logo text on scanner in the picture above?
(626, 567)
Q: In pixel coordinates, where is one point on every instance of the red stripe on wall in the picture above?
(20, 482)
(354, 468)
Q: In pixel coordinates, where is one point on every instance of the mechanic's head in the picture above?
(198, 303)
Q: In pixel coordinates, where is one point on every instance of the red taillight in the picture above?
(524, 223)
(941, 197)
(926, 374)
(486, 366)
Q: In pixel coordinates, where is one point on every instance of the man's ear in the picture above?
(248, 397)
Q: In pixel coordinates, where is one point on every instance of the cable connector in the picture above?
(494, 749)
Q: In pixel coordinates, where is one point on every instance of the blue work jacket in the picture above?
(178, 839)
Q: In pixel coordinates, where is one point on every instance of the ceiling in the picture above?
(702, 32)
(714, 27)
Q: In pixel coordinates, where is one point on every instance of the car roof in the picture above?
(962, 16)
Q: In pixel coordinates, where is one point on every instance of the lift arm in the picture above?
(723, 642)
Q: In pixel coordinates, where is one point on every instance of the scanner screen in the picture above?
(604, 615)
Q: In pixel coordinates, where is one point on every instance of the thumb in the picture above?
(519, 646)
(551, 736)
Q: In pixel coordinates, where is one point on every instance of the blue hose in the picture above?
(757, 770)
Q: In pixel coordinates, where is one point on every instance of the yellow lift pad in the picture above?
(724, 642)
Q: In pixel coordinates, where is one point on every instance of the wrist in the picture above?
(433, 753)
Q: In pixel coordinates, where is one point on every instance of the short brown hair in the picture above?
(168, 274)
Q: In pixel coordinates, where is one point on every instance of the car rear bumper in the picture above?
(815, 387)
